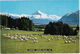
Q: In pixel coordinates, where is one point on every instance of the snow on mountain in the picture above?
(38, 15)
(9, 14)
(71, 18)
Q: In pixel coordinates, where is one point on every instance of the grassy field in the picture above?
(17, 46)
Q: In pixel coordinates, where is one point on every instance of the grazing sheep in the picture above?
(26, 39)
(48, 39)
(74, 41)
(8, 36)
(4, 34)
(35, 41)
(70, 38)
(15, 37)
(65, 37)
(65, 41)
(21, 39)
(12, 37)
(35, 38)
(69, 41)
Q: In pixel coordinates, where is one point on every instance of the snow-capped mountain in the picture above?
(38, 17)
(71, 18)
(39, 13)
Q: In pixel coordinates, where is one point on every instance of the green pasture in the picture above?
(18, 46)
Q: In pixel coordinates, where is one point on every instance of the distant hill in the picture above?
(71, 18)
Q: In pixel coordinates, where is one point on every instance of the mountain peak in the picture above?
(71, 18)
(38, 13)
(77, 12)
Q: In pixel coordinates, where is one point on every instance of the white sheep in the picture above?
(12, 37)
(15, 37)
(69, 41)
(74, 41)
(70, 38)
(35, 38)
(26, 39)
(48, 39)
(21, 39)
(35, 41)
(66, 41)
(8, 36)
(4, 34)
(65, 37)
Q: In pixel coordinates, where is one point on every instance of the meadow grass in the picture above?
(17, 46)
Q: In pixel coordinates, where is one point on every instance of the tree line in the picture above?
(60, 28)
(22, 23)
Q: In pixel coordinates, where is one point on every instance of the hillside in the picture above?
(71, 18)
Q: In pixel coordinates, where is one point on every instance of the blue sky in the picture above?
(59, 8)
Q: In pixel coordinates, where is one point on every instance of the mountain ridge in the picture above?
(37, 17)
(37, 14)
(71, 18)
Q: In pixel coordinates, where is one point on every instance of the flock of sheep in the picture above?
(27, 37)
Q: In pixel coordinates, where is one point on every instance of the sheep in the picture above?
(74, 41)
(65, 41)
(69, 41)
(35, 41)
(8, 36)
(26, 39)
(35, 38)
(4, 34)
(21, 39)
(70, 38)
(12, 37)
(65, 37)
(15, 37)
(48, 39)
